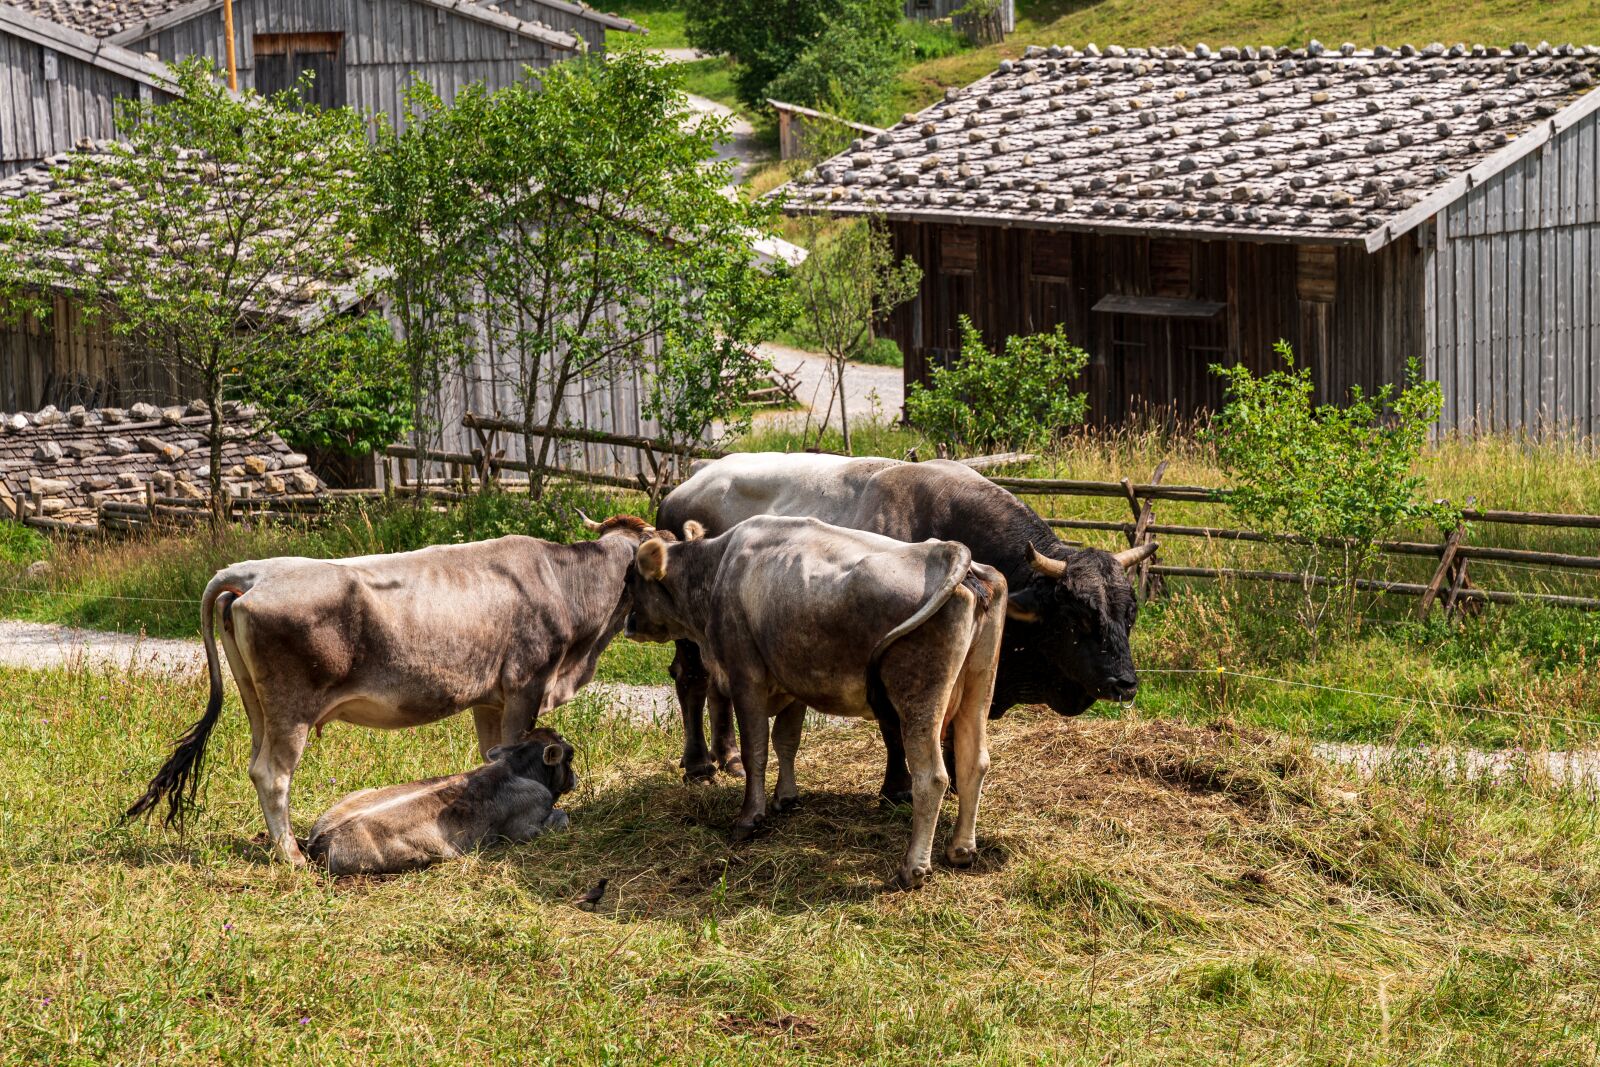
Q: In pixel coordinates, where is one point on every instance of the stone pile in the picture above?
(1303, 143)
(64, 465)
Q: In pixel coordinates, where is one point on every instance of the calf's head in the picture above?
(654, 614)
(1076, 611)
(545, 756)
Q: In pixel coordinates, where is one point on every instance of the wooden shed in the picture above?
(1175, 209)
(363, 52)
(59, 85)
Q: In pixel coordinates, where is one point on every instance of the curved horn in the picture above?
(1132, 557)
(1050, 568)
(588, 523)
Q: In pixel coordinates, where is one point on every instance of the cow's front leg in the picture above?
(724, 740)
(272, 770)
(753, 730)
(486, 721)
(690, 680)
(786, 742)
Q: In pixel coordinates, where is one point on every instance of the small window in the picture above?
(281, 58)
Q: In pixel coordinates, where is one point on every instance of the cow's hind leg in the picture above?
(896, 788)
(690, 680)
(272, 771)
(969, 733)
(786, 742)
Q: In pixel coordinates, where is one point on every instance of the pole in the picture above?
(227, 40)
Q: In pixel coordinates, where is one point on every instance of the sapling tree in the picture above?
(218, 236)
(603, 231)
(1339, 478)
(850, 280)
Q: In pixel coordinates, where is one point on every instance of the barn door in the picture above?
(1161, 354)
(282, 57)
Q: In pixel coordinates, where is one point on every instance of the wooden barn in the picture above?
(943, 9)
(363, 52)
(1175, 209)
(59, 85)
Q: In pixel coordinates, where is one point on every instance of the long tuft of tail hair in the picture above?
(178, 780)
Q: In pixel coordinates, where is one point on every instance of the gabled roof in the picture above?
(71, 42)
(604, 18)
(127, 21)
(299, 301)
(1306, 145)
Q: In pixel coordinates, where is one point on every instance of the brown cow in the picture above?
(510, 628)
(791, 613)
(510, 798)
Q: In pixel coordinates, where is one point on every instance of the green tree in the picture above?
(1340, 478)
(765, 37)
(218, 235)
(985, 401)
(603, 228)
(373, 413)
(418, 224)
(849, 281)
(850, 68)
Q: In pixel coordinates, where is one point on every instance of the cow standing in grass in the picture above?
(790, 613)
(510, 628)
(1071, 609)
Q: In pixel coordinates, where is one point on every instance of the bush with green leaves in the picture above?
(850, 68)
(764, 37)
(1341, 477)
(987, 401)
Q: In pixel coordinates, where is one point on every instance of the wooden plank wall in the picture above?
(1355, 319)
(385, 41)
(1512, 305)
(68, 358)
(943, 9)
(41, 116)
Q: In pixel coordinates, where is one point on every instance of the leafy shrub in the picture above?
(765, 37)
(370, 415)
(850, 67)
(20, 544)
(880, 352)
(930, 40)
(1342, 477)
(988, 401)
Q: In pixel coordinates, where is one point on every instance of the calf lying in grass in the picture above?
(403, 827)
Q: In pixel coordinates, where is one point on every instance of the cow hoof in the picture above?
(700, 772)
(961, 856)
(734, 767)
(911, 877)
(743, 832)
(784, 805)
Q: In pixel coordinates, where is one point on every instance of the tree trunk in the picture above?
(844, 416)
(219, 497)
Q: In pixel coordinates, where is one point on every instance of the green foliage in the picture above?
(218, 234)
(989, 401)
(1347, 472)
(697, 382)
(850, 280)
(372, 414)
(850, 67)
(586, 207)
(20, 544)
(923, 40)
(765, 37)
(880, 352)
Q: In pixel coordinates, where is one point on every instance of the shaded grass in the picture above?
(662, 18)
(1146, 892)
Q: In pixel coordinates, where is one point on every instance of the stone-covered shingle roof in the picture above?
(62, 38)
(1305, 144)
(305, 302)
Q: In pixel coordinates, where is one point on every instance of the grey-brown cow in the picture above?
(510, 798)
(509, 628)
(790, 613)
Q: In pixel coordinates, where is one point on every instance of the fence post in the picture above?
(1446, 570)
(1148, 584)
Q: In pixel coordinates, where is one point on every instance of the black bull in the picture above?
(1070, 611)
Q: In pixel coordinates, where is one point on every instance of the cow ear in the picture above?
(1023, 605)
(652, 559)
(693, 531)
(553, 755)
(498, 752)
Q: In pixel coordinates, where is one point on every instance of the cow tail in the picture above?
(877, 693)
(178, 780)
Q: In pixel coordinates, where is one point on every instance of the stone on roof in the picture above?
(1269, 143)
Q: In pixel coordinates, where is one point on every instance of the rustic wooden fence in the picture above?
(1451, 585)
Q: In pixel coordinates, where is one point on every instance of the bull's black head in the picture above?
(545, 756)
(1072, 617)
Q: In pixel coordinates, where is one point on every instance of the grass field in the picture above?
(1146, 893)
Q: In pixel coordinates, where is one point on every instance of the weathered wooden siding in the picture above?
(1354, 318)
(67, 358)
(1512, 302)
(385, 41)
(41, 115)
(943, 9)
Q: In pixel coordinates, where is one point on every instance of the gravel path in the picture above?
(42, 645)
(871, 393)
